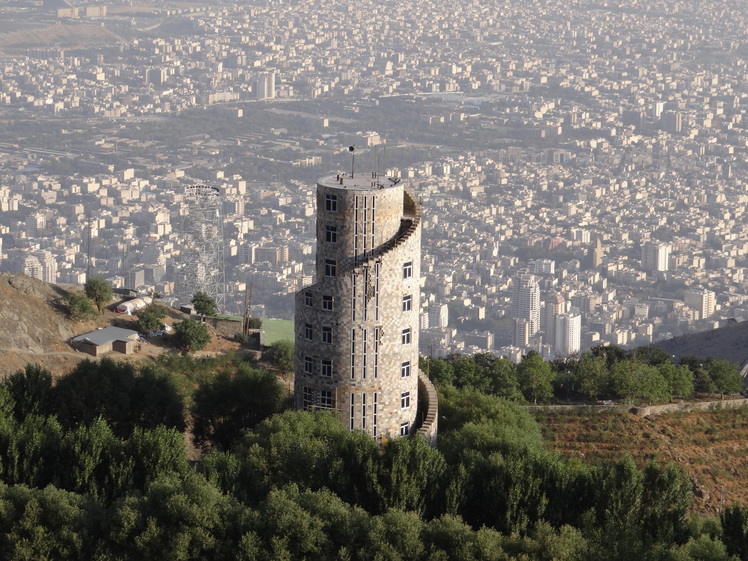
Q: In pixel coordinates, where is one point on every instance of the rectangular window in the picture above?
(325, 399)
(327, 335)
(363, 411)
(308, 332)
(374, 416)
(407, 303)
(353, 354)
(376, 291)
(376, 352)
(331, 203)
(353, 296)
(363, 358)
(353, 409)
(331, 234)
(405, 369)
(308, 299)
(406, 336)
(327, 303)
(327, 368)
(331, 267)
(308, 401)
(405, 400)
(308, 365)
(408, 270)
(404, 429)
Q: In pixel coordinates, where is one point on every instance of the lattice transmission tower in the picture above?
(201, 265)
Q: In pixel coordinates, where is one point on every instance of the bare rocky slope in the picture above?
(34, 327)
(726, 343)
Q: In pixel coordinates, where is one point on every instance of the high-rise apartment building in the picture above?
(526, 301)
(655, 256)
(701, 301)
(266, 85)
(568, 334)
(555, 305)
(357, 327)
(438, 315)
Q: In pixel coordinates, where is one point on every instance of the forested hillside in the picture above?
(94, 467)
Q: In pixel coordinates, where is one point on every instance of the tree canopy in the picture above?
(99, 291)
(80, 308)
(191, 335)
(204, 304)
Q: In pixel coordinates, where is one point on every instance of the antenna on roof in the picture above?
(376, 161)
(352, 149)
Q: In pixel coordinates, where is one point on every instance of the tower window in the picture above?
(327, 334)
(308, 332)
(308, 365)
(308, 400)
(331, 234)
(404, 429)
(405, 369)
(327, 303)
(331, 267)
(331, 203)
(308, 299)
(408, 270)
(405, 400)
(325, 399)
(327, 368)
(406, 336)
(407, 303)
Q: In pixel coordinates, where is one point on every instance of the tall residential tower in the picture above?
(357, 327)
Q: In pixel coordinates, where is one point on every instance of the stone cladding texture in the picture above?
(357, 327)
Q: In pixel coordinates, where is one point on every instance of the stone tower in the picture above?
(357, 328)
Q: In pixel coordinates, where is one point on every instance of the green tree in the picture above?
(191, 335)
(412, 476)
(679, 379)
(177, 518)
(650, 355)
(204, 304)
(30, 390)
(632, 380)
(150, 317)
(591, 376)
(115, 391)
(232, 402)
(439, 371)
(735, 530)
(99, 291)
(666, 500)
(43, 524)
(90, 454)
(535, 377)
(725, 375)
(280, 355)
(79, 307)
(503, 380)
(618, 493)
(30, 451)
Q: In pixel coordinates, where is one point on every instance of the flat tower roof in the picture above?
(359, 182)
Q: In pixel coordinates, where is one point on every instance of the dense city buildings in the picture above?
(357, 327)
(599, 148)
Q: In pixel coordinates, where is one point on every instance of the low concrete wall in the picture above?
(692, 406)
(646, 410)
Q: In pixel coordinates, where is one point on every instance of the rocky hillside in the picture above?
(726, 343)
(34, 326)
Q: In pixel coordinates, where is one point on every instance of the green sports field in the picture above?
(277, 330)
